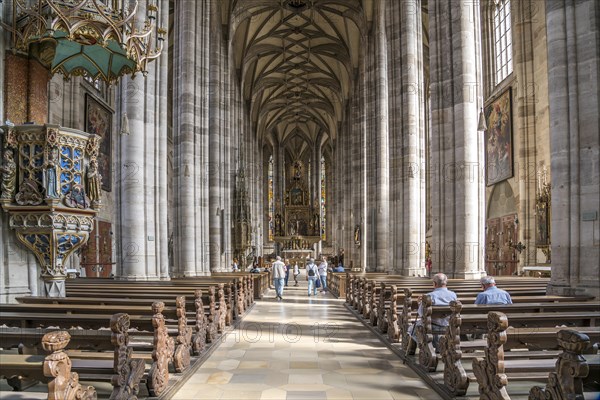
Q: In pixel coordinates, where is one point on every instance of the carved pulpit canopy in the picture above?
(50, 188)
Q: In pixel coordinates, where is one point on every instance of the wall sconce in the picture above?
(481, 125)
(124, 125)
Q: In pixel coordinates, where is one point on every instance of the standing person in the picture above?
(278, 277)
(312, 274)
(323, 274)
(235, 265)
(287, 271)
(296, 273)
(491, 294)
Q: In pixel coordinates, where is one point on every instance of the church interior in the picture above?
(158, 154)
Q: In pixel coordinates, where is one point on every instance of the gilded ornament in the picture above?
(9, 176)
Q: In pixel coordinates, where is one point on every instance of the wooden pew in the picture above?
(474, 319)
(493, 372)
(532, 339)
(123, 370)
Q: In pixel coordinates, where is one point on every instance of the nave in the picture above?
(303, 348)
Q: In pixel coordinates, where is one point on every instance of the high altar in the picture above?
(298, 226)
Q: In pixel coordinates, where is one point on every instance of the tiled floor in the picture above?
(299, 349)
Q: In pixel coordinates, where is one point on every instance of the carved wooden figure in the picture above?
(213, 316)
(393, 329)
(181, 356)
(455, 377)
(566, 382)
(63, 384)
(199, 340)
(489, 371)
(222, 309)
(158, 377)
(427, 357)
(408, 344)
(128, 371)
(382, 318)
(240, 297)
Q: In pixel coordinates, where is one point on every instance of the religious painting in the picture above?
(296, 197)
(98, 120)
(498, 139)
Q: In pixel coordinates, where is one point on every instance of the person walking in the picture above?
(296, 273)
(278, 272)
(323, 274)
(287, 271)
(312, 274)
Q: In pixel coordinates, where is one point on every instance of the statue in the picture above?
(76, 198)
(297, 170)
(357, 235)
(30, 194)
(9, 176)
(317, 224)
(94, 182)
(278, 224)
(51, 174)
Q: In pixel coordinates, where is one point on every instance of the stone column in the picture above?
(216, 133)
(456, 149)
(573, 63)
(381, 197)
(142, 163)
(407, 135)
(191, 135)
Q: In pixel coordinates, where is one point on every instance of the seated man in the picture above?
(491, 294)
(440, 296)
(339, 268)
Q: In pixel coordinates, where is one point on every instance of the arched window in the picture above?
(502, 40)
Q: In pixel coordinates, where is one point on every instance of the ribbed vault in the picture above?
(296, 60)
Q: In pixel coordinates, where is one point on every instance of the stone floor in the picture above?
(303, 348)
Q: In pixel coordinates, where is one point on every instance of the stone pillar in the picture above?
(191, 147)
(215, 136)
(142, 161)
(573, 55)
(381, 197)
(407, 135)
(456, 148)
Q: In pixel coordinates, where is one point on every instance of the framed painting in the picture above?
(98, 120)
(498, 139)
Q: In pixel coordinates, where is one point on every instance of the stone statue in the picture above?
(30, 194)
(9, 175)
(51, 174)
(76, 198)
(94, 182)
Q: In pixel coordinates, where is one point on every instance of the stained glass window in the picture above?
(323, 200)
(271, 202)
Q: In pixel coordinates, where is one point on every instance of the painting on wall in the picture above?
(98, 120)
(498, 139)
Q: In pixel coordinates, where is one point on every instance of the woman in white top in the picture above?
(296, 273)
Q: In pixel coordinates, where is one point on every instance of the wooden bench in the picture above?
(122, 368)
(493, 372)
(539, 344)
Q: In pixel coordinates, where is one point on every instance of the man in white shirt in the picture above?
(278, 277)
(323, 274)
(312, 274)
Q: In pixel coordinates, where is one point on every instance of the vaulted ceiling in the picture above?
(296, 61)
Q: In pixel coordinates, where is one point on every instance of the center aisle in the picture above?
(303, 348)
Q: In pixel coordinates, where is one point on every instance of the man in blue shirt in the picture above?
(440, 296)
(491, 294)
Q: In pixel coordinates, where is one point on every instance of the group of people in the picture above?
(441, 295)
(316, 275)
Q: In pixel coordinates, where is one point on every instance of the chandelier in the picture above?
(102, 39)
